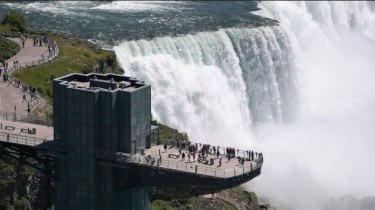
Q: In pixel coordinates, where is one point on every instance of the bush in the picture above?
(161, 205)
(16, 20)
(8, 48)
(22, 204)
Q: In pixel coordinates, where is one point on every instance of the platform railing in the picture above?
(21, 139)
(24, 118)
(152, 161)
(238, 152)
(208, 171)
(12, 116)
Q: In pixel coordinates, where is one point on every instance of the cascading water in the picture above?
(233, 77)
(313, 72)
(326, 151)
(302, 92)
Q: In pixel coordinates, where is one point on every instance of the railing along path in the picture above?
(24, 118)
(186, 167)
(21, 139)
(35, 97)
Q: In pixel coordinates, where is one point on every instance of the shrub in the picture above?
(16, 20)
(22, 204)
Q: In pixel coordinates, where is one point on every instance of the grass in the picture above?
(75, 55)
(8, 48)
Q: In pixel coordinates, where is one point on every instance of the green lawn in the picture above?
(74, 56)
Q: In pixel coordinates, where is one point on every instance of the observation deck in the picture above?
(150, 167)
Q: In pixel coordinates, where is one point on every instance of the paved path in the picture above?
(11, 97)
(28, 53)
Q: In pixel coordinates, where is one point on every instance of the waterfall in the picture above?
(302, 93)
(214, 84)
(325, 152)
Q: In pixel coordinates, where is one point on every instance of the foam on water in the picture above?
(137, 6)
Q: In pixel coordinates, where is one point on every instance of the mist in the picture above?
(327, 151)
(301, 92)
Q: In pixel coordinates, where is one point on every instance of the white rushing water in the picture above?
(212, 82)
(302, 93)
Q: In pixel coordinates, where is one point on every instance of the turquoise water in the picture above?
(110, 23)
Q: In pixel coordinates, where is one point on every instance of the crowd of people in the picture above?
(199, 152)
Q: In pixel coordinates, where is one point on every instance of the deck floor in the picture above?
(42, 132)
(227, 168)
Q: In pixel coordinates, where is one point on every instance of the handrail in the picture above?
(24, 118)
(21, 139)
(238, 152)
(35, 96)
(26, 64)
(36, 99)
(178, 166)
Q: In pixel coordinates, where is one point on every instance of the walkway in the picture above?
(22, 133)
(11, 96)
(172, 160)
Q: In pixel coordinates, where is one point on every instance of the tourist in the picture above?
(219, 162)
(165, 147)
(183, 156)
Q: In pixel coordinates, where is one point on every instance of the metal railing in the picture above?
(149, 160)
(12, 116)
(238, 153)
(208, 171)
(36, 99)
(38, 61)
(21, 139)
(24, 118)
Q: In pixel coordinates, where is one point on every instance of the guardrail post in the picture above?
(234, 171)
(243, 170)
(196, 169)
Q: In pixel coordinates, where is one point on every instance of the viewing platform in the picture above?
(24, 133)
(202, 175)
(154, 166)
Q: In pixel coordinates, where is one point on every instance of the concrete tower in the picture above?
(95, 112)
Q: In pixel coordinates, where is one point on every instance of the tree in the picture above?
(16, 20)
